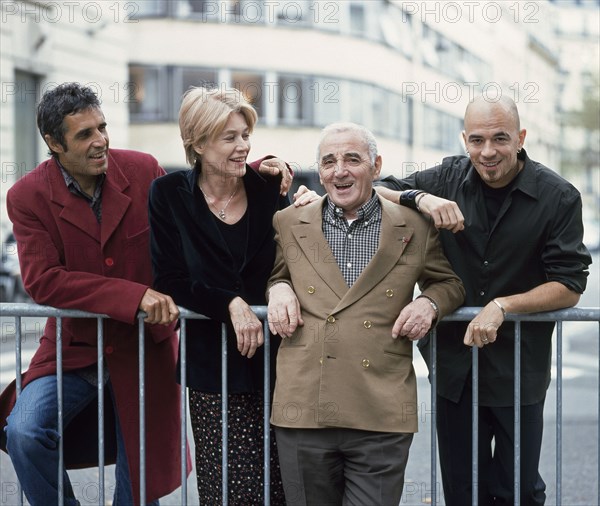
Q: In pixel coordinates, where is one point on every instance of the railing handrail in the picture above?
(462, 314)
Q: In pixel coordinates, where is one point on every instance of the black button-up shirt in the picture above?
(536, 237)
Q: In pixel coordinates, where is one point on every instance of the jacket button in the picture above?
(367, 324)
(108, 350)
(366, 363)
(331, 319)
(311, 289)
(109, 262)
(389, 293)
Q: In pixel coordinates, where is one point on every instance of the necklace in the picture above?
(221, 213)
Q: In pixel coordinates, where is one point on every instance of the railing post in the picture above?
(19, 384)
(517, 436)
(183, 407)
(475, 427)
(224, 408)
(266, 415)
(142, 408)
(559, 413)
(59, 403)
(100, 334)
(433, 372)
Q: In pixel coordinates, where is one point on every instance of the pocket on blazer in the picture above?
(141, 235)
(396, 361)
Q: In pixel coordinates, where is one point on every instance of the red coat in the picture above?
(70, 261)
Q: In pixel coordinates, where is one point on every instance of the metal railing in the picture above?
(19, 311)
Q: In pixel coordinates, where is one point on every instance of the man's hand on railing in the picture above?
(414, 320)
(248, 328)
(159, 308)
(283, 312)
(484, 327)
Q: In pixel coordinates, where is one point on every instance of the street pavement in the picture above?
(580, 395)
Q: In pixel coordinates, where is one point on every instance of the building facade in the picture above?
(404, 69)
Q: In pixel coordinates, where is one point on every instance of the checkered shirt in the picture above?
(353, 245)
(95, 202)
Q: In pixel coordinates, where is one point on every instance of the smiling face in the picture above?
(226, 154)
(85, 151)
(492, 139)
(346, 171)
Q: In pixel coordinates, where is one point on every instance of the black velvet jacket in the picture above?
(191, 262)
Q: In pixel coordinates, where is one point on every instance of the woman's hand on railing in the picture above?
(248, 328)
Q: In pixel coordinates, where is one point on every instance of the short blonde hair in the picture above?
(204, 113)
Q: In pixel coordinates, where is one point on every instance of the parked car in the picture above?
(11, 286)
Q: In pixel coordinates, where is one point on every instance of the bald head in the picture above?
(505, 105)
(493, 140)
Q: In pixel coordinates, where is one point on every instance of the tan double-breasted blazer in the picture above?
(343, 368)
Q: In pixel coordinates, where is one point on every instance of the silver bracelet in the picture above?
(433, 305)
(500, 306)
(418, 199)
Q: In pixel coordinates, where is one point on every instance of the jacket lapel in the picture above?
(75, 210)
(261, 207)
(312, 242)
(114, 202)
(394, 238)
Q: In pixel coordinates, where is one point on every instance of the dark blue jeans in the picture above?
(32, 440)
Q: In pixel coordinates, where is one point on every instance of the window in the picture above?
(155, 94)
(358, 21)
(150, 8)
(294, 13)
(325, 94)
(188, 77)
(253, 88)
(26, 133)
(149, 93)
(441, 131)
(185, 78)
(291, 95)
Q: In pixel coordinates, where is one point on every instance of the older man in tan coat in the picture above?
(341, 296)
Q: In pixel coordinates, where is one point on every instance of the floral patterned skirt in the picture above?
(245, 448)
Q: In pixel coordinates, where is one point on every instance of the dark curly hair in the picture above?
(65, 99)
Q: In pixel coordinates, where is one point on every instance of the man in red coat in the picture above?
(80, 220)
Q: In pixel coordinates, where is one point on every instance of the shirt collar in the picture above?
(363, 213)
(525, 180)
(72, 183)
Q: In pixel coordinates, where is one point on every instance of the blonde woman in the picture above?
(212, 251)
